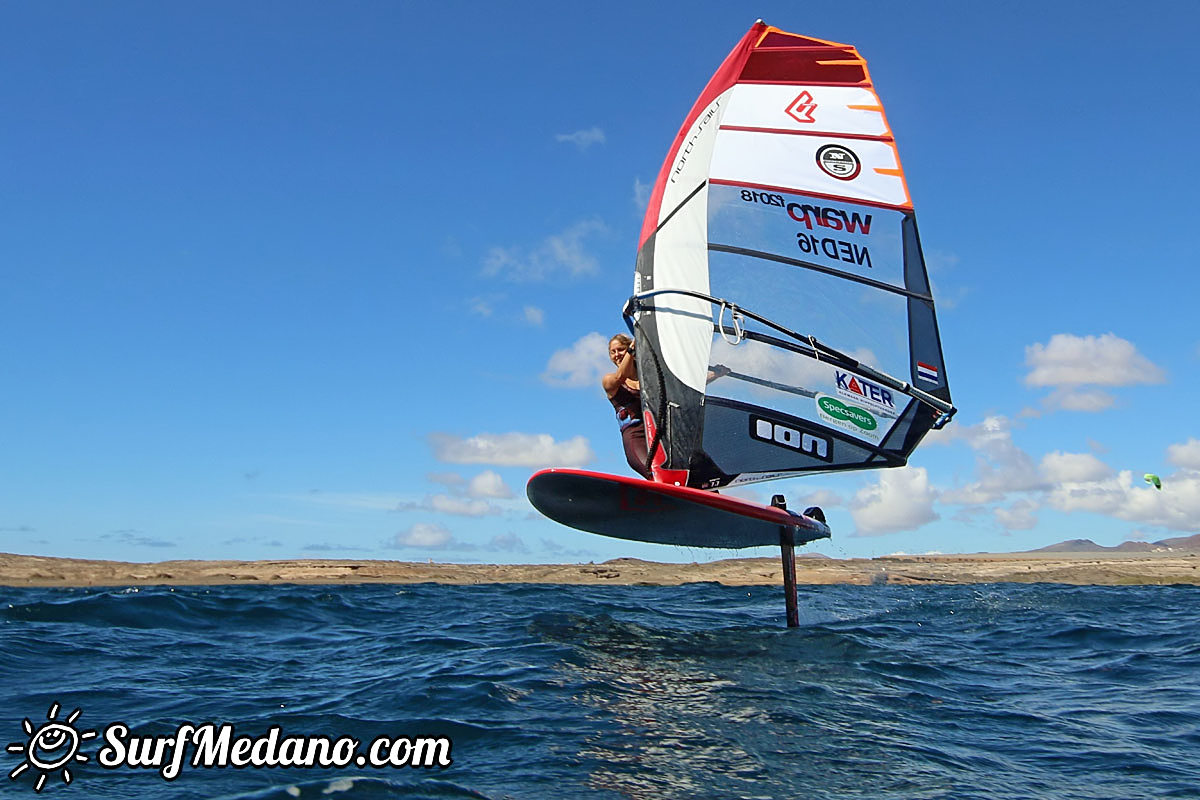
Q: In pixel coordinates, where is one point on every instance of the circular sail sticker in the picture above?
(838, 162)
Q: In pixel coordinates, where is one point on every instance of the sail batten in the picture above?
(783, 193)
(788, 132)
(770, 187)
(795, 262)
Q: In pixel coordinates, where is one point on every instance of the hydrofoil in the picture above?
(662, 513)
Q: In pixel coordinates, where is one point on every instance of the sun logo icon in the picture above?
(52, 746)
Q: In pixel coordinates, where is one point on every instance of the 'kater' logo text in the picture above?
(851, 385)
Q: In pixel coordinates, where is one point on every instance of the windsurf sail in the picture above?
(781, 303)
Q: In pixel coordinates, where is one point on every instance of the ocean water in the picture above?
(986, 691)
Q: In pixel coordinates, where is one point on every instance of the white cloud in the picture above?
(488, 484)
(446, 504)
(431, 536)
(902, 500)
(1107, 360)
(973, 494)
(1074, 467)
(452, 504)
(499, 307)
(583, 139)
(1075, 365)
(1075, 399)
(483, 305)
(1176, 507)
(511, 450)
(1070, 482)
(449, 479)
(534, 316)
(424, 535)
(581, 364)
(1102, 497)
(1186, 455)
(822, 497)
(1002, 467)
(500, 259)
(561, 253)
(1020, 516)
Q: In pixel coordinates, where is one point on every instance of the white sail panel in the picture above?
(859, 169)
(807, 109)
(684, 322)
(690, 168)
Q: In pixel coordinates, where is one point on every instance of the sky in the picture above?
(303, 279)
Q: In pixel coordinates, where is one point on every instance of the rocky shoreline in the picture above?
(1106, 569)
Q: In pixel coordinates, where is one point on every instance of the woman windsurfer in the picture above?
(625, 393)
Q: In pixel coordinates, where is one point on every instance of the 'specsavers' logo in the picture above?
(843, 412)
(802, 108)
(52, 747)
(839, 162)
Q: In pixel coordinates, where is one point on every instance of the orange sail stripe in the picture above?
(772, 29)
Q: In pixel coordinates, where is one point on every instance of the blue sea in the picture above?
(700, 691)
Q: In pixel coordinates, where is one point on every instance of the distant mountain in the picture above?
(1072, 546)
(1184, 544)
(1138, 547)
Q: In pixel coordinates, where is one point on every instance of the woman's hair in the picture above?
(622, 338)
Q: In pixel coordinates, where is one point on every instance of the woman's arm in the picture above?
(626, 371)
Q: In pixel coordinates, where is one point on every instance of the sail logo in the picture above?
(857, 388)
(701, 126)
(838, 162)
(833, 218)
(778, 434)
(843, 414)
(802, 108)
(834, 249)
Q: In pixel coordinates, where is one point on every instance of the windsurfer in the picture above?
(625, 394)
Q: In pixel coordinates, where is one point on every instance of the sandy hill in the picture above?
(1181, 544)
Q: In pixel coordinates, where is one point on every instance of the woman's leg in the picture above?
(634, 439)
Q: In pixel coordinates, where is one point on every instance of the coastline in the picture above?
(1101, 569)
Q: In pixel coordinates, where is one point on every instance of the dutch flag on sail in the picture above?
(926, 372)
